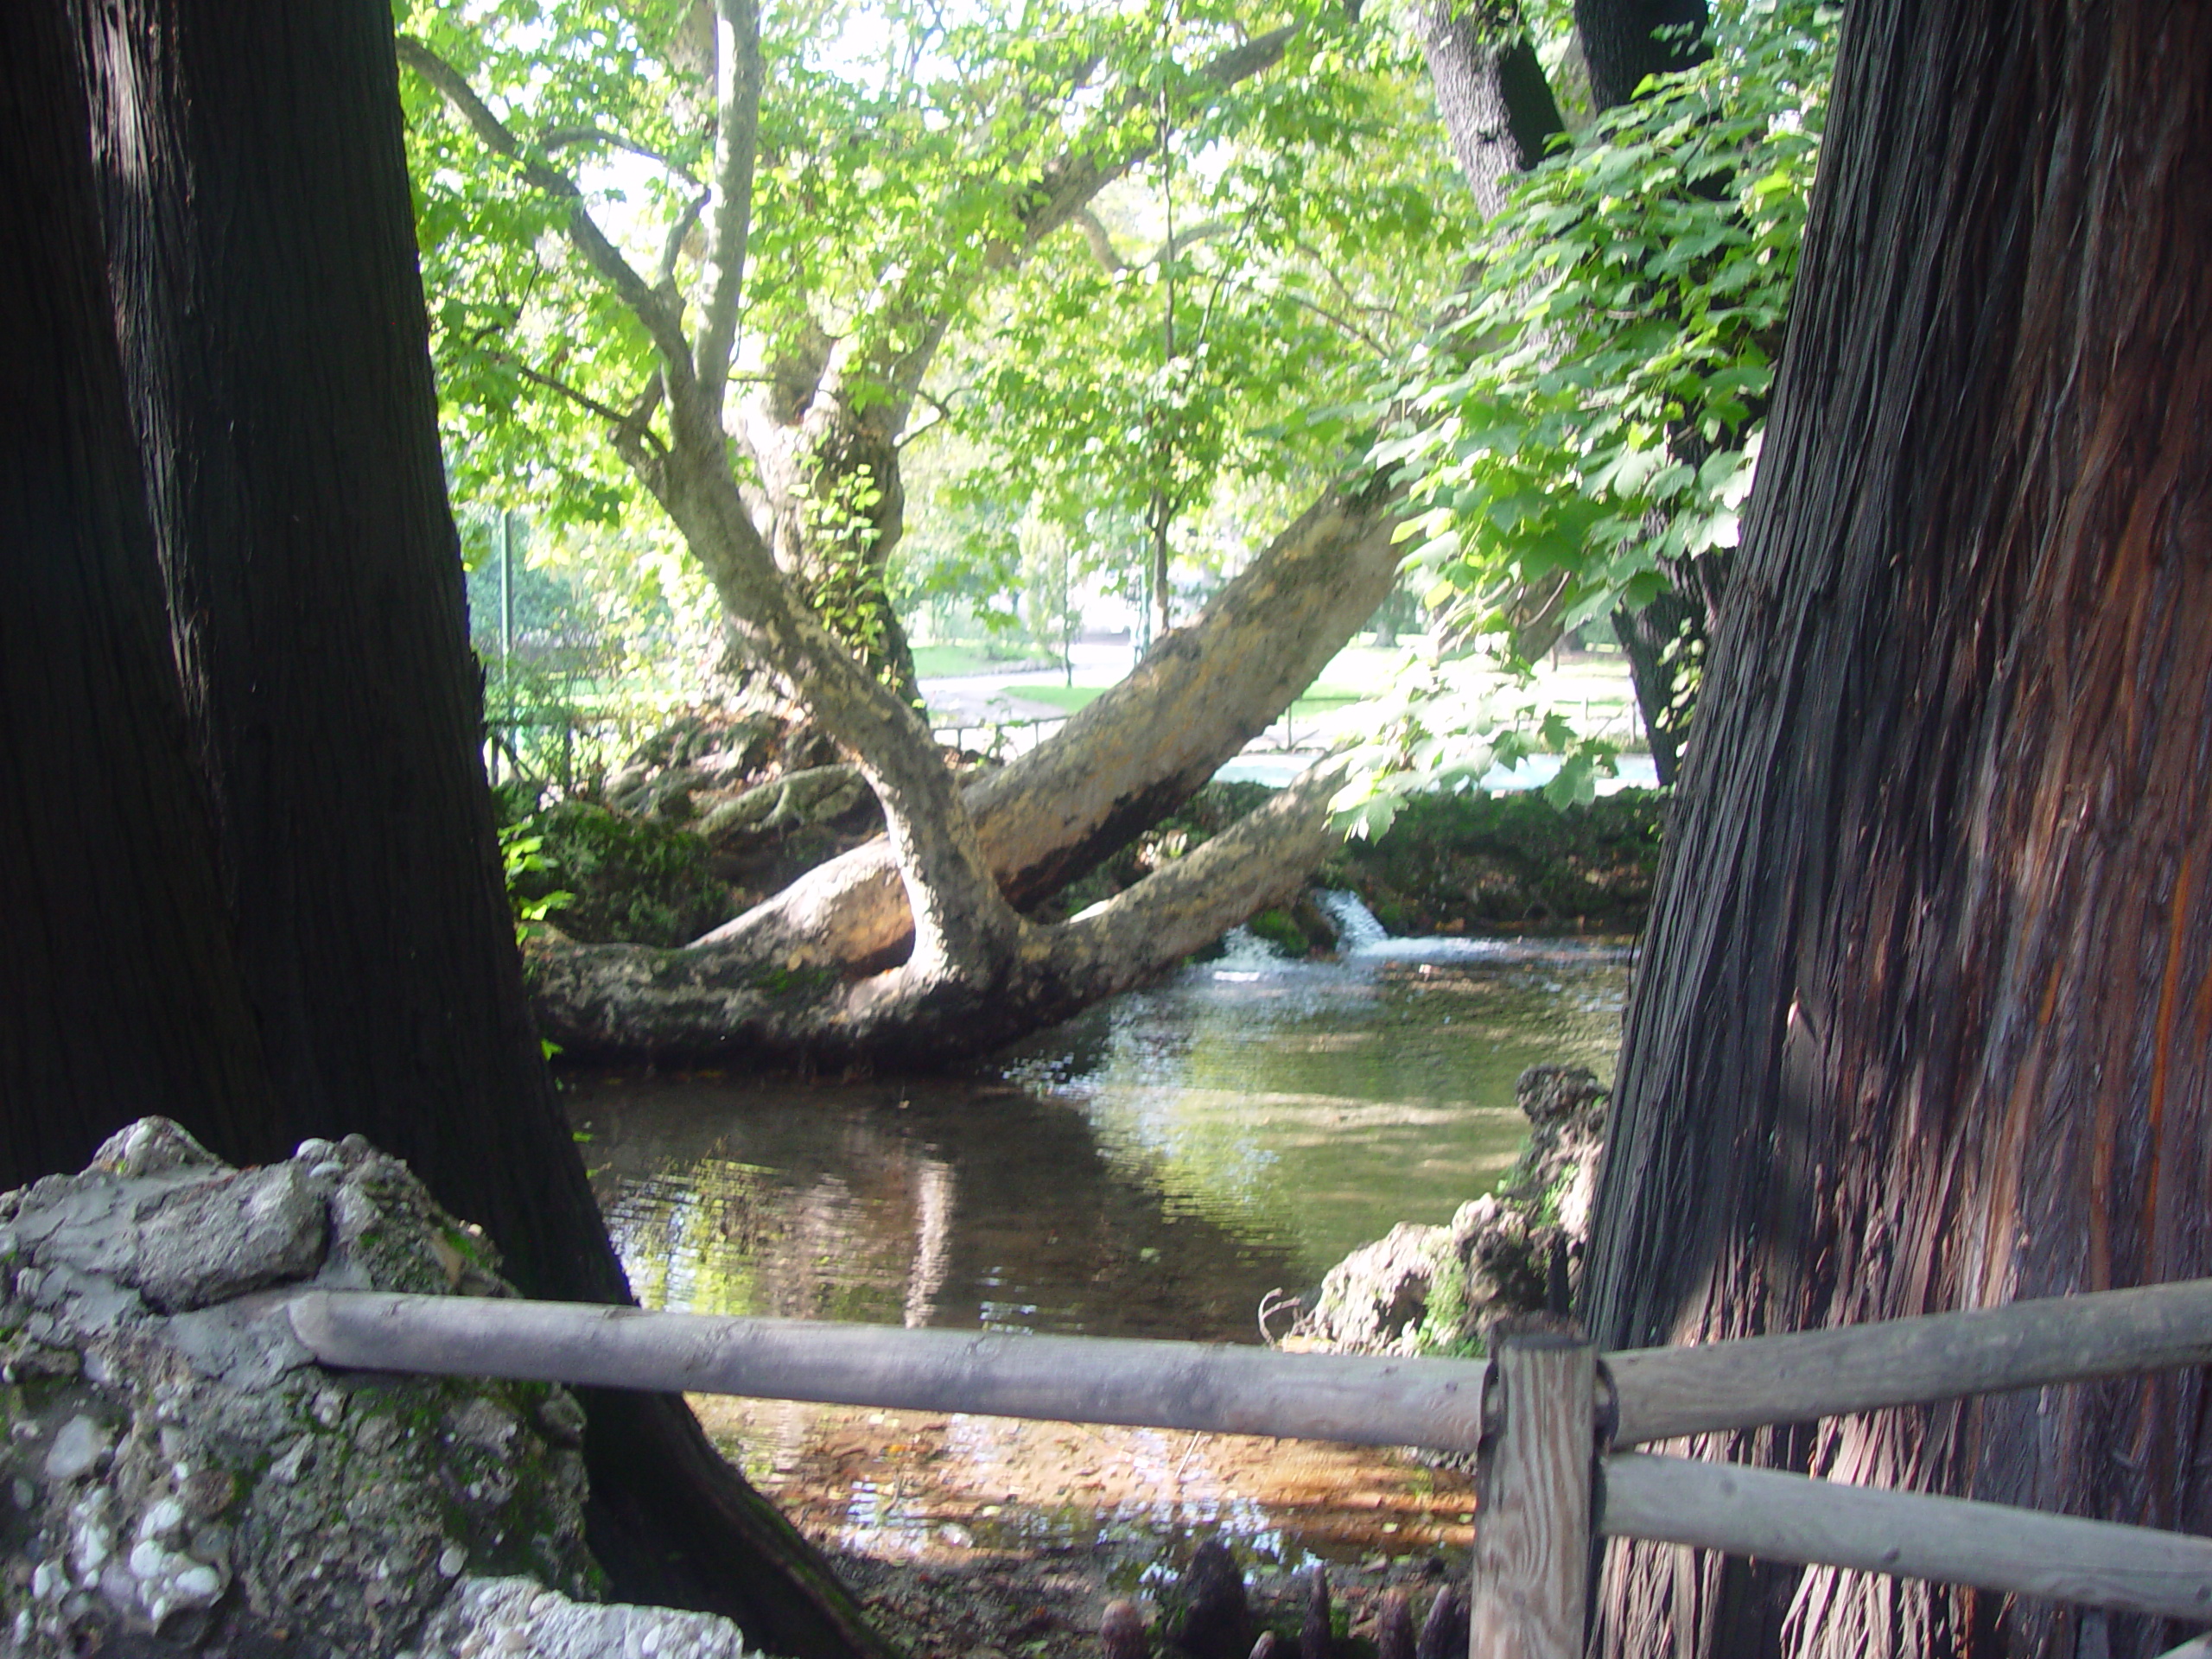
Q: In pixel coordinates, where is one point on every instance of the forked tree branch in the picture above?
(576, 395)
(564, 137)
(660, 314)
(738, 76)
(672, 246)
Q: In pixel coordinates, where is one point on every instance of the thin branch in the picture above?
(1206, 230)
(672, 249)
(1109, 259)
(564, 137)
(1343, 323)
(1063, 187)
(1352, 302)
(663, 320)
(576, 395)
(942, 414)
(1070, 182)
(738, 75)
(1102, 244)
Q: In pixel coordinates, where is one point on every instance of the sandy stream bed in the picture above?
(981, 1536)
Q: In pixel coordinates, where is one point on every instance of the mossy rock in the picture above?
(630, 879)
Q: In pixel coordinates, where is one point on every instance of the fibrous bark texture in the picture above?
(117, 989)
(262, 269)
(1923, 1020)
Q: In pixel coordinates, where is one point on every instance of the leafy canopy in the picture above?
(1592, 415)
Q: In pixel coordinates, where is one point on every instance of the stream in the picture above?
(1153, 1168)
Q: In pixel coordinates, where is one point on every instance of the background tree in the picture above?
(1578, 440)
(829, 193)
(976, 967)
(304, 933)
(1920, 1022)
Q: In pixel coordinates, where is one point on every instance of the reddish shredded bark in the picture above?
(1911, 1035)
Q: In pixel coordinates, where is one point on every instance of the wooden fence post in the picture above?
(1532, 1531)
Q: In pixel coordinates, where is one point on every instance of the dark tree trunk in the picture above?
(1625, 40)
(1490, 90)
(1924, 1020)
(117, 992)
(262, 265)
(1666, 644)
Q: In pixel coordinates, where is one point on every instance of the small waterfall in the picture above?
(1356, 928)
(1245, 956)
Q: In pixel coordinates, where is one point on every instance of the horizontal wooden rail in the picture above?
(1665, 1392)
(1363, 1401)
(1784, 1518)
(1206, 1386)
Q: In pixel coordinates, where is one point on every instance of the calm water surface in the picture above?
(1153, 1168)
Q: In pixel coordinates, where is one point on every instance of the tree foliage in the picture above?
(905, 164)
(1212, 372)
(1590, 421)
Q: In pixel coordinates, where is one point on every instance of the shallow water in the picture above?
(1152, 1168)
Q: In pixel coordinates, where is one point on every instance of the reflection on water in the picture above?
(1151, 1168)
(948, 1202)
(1315, 1104)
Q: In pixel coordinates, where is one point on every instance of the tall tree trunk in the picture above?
(824, 442)
(1497, 107)
(1923, 1020)
(261, 264)
(118, 995)
(1625, 40)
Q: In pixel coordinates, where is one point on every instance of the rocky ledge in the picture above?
(178, 1476)
(1433, 1289)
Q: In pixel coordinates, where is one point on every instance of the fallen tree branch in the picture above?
(693, 1003)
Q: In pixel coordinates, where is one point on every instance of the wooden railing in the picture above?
(1547, 1414)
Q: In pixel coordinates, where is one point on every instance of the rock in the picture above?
(1375, 1299)
(490, 1616)
(224, 1237)
(1427, 1289)
(80, 1446)
(186, 1480)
